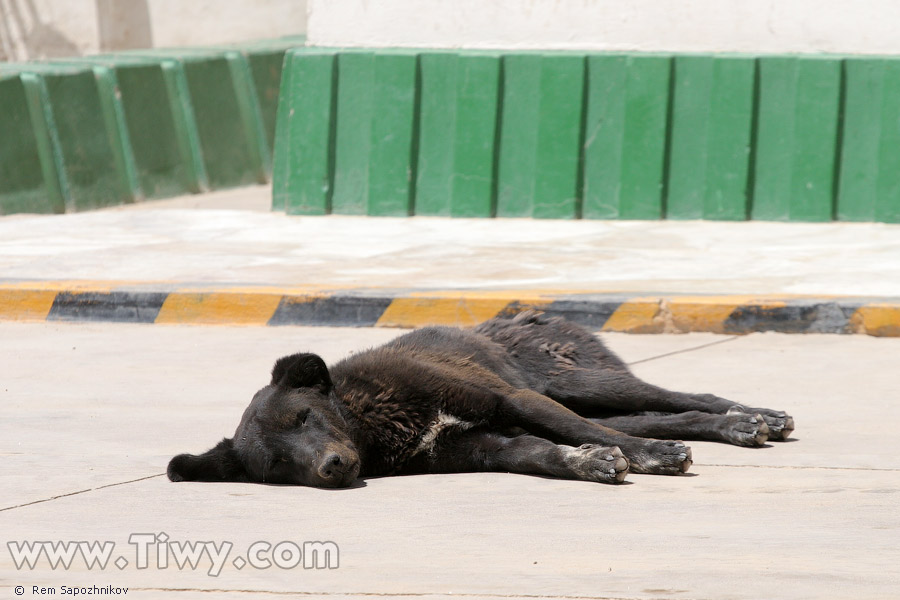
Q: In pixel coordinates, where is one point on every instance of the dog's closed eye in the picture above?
(301, 418)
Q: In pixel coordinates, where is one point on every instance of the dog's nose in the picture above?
(337, 470)
(332, 463)
(332, 467)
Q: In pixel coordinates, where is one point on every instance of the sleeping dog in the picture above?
(522, 394)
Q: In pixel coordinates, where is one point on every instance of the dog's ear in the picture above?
(301, 370)
(220, 463)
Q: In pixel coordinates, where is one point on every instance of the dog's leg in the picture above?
(739, 429)
(548, 419)
(488, 451)
(593, 392)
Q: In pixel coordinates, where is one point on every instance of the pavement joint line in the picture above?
(93, 489)
(683, 351)
(323, 305)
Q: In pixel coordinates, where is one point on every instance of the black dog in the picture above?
(527, 394)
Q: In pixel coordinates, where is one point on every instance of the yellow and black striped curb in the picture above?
(130, 302)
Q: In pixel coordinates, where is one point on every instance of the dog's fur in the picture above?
(528, 394)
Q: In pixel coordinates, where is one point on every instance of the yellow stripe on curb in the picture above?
(460, 312)
(25, 305)
(211, 308)
(882, 320)
(637, 315)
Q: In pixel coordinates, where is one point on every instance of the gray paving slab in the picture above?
(90, 408)
(237, 242)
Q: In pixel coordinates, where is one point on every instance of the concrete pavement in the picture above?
(93, 411)
(223, 258)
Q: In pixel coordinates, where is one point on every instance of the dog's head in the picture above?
(293, 432)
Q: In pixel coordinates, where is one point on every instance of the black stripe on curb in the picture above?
(118, 307)
(799, 317)
(333, 311)
(590, 313)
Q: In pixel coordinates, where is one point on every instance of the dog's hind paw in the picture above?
(597, 463)
(780, 424)
(742, 429)
(660, 457)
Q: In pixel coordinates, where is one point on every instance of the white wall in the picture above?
(31, 29)
(757, 26)
(204, 22)
(42, 28)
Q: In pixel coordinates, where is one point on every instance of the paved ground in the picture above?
(236, 241)
(92, 413)
(223, 258)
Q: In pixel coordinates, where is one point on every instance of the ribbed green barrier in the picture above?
(870, 162)
(303, 171)
(797, 139)
(625, 136)
(96, 131)
(571, 135)
(29, 158)
(456, 142)
(80, 129)
(712, 115)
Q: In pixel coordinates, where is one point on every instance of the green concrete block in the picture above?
(163, 135)
(31, 175)
(84, 130)
(353, 133)
(457, 132)
(625, 135)
(228, 121)
(265, 67)
(870, 157)
(539, 159)
(520, 113)
(81, 131)
(797, 138)
(88, 147)
(375, 120)
(391, 181)
(712, 121)
(303, 172)
(187, 134)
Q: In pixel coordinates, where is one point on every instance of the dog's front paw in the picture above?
(743, 429)
(780, 424)
(597, 463)
(660, 457)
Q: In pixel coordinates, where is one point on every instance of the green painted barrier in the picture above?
(457, 135)
(571, 135)
(870, 162)
(624, 136)
(84, 157)
(538, 164)
(303, 171)
(797, 138)
(29, 168)
(710, 140)
(96, 131)
(373, 134)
